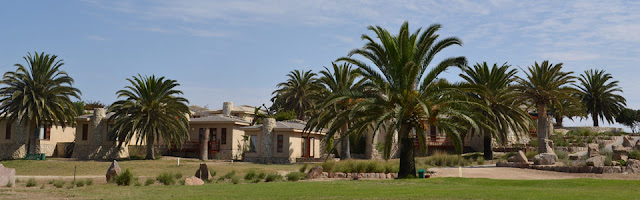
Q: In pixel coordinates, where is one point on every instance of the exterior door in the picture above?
(307, 147)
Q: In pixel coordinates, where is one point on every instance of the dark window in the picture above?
(111, 136)
(47, 132)
(213, 136)
(280, 143)
(8, 131)
(85, 131)
(223, 136)
(253, 143)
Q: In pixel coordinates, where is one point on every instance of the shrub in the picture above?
(328, 166)
(178, 175)
(441, 159)
(31, 182)
(51, 182)
(533, 143)
(137, 184)
(622, 162)
(480, 161)
(531, 154)
(635, 154)
(608, 160)
(59, 183)
(256, 180)
(273, 177)
(562, 154)
(304, 168)
(9, 184)
(166, 178)
(182, 181)
(149, 181)
(213, 172)
(71, 185)
(88, 182)
(227, 176)
(235, 179)
(261, 175)
(295, 176)
(80, 184)
(250, 175)
(125, 178)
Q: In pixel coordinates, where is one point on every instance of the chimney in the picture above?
(226, 108)
(267, 142)
(98, 134)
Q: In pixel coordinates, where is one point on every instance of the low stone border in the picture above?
(359, 175)
(572, 169)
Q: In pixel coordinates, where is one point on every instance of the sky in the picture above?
(239, 50)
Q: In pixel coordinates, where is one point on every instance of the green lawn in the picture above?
(436, 188)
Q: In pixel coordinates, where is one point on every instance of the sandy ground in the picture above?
(524, 174)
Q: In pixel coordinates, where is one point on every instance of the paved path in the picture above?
(525, 174)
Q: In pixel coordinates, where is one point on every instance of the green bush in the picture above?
(622, 162)
(235, 179)
(182, 181)
(303, 169)
(256, 180)
(441, 159)
(125, 178)
(31, 182)
(328, 166)
(89, 182)
(59, 183)
(531, 154)
(533, 143)
(480, 161)
(227, 176)
(250, 175)
(295, 176)
(273, 177)
(635, 154)
(562, 154)
(178, 175)
(166, 178)
(149, 181)
(80, 184)
(261, 175)
(213, 172)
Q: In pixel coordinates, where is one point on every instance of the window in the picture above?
(8, 131)
(312, 147)
(45, 132)
(111, 136)
(280, 144)
(212, 134)
(223, 136)
(85, 131)
(253, 143)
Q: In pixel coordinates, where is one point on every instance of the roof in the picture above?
(240, 109)
(218, 119)
(88, 117)
(289, 125)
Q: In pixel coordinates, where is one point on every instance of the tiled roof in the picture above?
(218, 118)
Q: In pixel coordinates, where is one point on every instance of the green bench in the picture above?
(35, 156)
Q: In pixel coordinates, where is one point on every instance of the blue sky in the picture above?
(239, 50)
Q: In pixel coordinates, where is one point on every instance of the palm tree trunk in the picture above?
(542, 127)
(407, 159)
(33, 138)
(594, 116)
(345, 150)
(150, 153)
(488, 149)
(204, 144)
(559, 120)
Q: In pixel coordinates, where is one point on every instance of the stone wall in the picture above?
(12, 151)
(597, 129)
(272, 160)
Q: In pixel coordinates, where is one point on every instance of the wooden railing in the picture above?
(435, 142)
(194, 146)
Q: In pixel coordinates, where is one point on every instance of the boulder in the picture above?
(314, 172)
(548, 146)
(340, 175)
(545, 159)
(597, 161)
(615, 163)
(627, 141)
(193, 181)
(7, 176)
(611, 170)
(620, 152)
(633, 166)
(521, 157)
(593, 150)
(324, 175)
(511, 159)
(203, 173)
(113, 171)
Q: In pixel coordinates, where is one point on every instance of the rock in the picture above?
(593, 150)
(340, 175)
(314, 172)
(548, 146)
(324, 175)
(545, 159)
(501, 164)
(521, 157)
(633, 166)
(611, 170)
(113, 171)
(388, 176)
(615, 163)
(7, 176)
(193, 181)
(597, 161)
(620, 152)
(511, 159)
(637, 146)
(574, 156)
(203, 173)
(627, 141)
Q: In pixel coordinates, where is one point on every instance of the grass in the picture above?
(434, 188)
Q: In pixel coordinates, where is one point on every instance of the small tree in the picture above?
(629, 118)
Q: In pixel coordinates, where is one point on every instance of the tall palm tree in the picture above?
(298, 93)
(569, 108)
(545, 84)
(492, 87)
(342, 79)
(597, 93)
(150, 111)
(38, 94)
(398, 96)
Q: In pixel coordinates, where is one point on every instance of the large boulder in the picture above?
(620, 152)
(593, 150)
(113, 171)
(597, 161)
(545, 159)
(7, 176)
(315, 172)
(193, 181)
(633, 166)
(521, 157)
(548, 146)
(627, 141)
(203, 173)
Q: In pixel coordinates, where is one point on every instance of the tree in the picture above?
(597, 93)
(79, 107)
(545, 84)
(630, 118)
(398, 89)
(492, 87)
(298, 93)
(150, 111)
(38, 94)
(341, 80)
(569, 108)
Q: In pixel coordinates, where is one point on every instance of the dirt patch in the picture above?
(523, 174)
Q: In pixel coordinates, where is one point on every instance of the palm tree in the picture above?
(298, 93)
(597, 93)
(568, 108)
(398, 97)
(150, 111)
(342, 79)
(492, 87)
(38, 94)
(545, 84)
